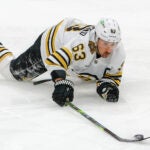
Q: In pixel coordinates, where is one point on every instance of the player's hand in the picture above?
(63, 92)
(108, 91)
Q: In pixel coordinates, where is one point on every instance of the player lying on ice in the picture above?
(89, 51)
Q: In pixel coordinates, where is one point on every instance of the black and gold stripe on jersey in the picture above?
(115, 77)
(4, 53)
(51, 38)
(47, 42)
(61, 57)
(87, 76)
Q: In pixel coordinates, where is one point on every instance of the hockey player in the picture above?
(89, 51)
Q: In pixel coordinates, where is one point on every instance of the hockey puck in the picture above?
(139, 137)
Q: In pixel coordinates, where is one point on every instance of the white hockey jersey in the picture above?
(71, 45)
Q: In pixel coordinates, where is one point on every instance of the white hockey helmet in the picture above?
(108, 30)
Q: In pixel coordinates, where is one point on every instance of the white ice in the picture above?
(30, 120)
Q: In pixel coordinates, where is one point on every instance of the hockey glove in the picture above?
(108, 91)
(63, 92)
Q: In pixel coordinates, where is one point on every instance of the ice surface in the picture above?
(30, 120)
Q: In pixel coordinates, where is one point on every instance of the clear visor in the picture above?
(113, 44)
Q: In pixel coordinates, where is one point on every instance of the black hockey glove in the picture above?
(108, 91)
(63, 92)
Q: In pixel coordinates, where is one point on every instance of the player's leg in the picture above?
(6, 56)
(28, 65)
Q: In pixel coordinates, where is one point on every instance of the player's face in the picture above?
(105, 48)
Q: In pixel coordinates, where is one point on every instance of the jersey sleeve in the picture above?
(60, 58)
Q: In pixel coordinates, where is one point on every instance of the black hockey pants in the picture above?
(29, 64)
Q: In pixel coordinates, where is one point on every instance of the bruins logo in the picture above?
(92, 46)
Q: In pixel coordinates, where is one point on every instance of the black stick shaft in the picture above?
(100, 126)
(41, 81)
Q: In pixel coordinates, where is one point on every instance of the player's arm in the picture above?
(107, 86)
(57, 64)
(61, 58)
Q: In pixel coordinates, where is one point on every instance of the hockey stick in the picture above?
(41, 81)
(137, 138)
